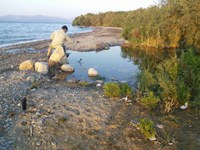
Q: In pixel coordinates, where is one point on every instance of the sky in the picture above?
(68, 9)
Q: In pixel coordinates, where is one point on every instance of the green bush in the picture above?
(146, 79)
(147, 128)
(189, 73)
(149, 101)
(111, 90)
(183, 92)
(125, 90)
(117, 90)
(167, 76)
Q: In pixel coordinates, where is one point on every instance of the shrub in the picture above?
(189, 72)
(125, 90)
(117, 90)
(84, 83)
(167, 75)
(34, 85)
(111, 90)
(146, 79)
(149, 101)
(183, 92)
(147, 128)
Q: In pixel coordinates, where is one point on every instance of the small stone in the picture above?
(53, 143)
(160, 126)
(24, 123)
(92, 72)
(38, 114)
(67, 68)
(38, 143)
(33, 89)
(170, 143)
(152, 138)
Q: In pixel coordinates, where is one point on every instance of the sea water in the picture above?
(21, 32)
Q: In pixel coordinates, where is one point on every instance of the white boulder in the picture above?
(27, 65)
(67, 68)
(59, 56)
(41, 67)
(92, 72)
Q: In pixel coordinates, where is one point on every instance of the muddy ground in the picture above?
(65, 115)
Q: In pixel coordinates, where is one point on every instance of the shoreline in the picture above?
(98, 39)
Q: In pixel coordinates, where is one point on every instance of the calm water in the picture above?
(109, 63)
(14, 32)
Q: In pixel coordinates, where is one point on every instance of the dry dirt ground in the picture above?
(66, 116)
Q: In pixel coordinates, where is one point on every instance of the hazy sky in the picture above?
(68, 8)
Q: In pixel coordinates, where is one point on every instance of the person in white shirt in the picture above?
(58, 37)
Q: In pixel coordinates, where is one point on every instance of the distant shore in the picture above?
(99, 38)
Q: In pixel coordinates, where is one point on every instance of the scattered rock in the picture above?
(152, 138)
(160, 126)
(27, 65)
(59, 56)
(38, 143)
(67, 68)
(92, 72)
(41, 67)
(24, 123)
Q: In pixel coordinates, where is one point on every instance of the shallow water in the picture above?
(109, 63)
(22, 32)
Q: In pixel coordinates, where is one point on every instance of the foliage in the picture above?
(84, 83)
(147, 128)
(189, 73)
(167, 75)
(172, 23)
(34, 85)
(174, 80)
(117, 90)
(111, 90)
(146, 79)
(149, 101)
(125, 90)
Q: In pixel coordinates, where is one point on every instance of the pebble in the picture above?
(160, 126)
(152, 138)
(53, 143)
(38, 143)
(24, 123)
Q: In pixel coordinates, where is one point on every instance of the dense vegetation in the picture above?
(168, 80)
(172, 23)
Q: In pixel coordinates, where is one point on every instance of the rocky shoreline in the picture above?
(63, 115)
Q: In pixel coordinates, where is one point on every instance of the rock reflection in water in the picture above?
(109, 63)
